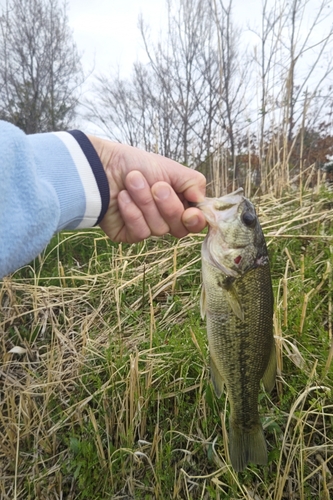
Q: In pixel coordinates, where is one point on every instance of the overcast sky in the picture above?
(107, 36)
(106, 31)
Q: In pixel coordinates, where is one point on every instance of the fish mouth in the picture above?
(230, 199)
(221, 209)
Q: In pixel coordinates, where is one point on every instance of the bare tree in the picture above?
(301, 46)
(178, 63)
(267, 58)
(113, 109)
(233, 77)
(194, 100)
(293, 45)
(40, 70)
(169, 105)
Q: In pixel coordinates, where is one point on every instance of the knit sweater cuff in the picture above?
(93, 182)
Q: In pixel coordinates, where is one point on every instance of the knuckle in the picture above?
(161, 230)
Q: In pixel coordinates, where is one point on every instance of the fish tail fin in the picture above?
(247, 446)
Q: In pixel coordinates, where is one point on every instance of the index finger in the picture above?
(184, 180)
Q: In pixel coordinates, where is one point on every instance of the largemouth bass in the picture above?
(237, 300)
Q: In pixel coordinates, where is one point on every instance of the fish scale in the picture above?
(237, 300)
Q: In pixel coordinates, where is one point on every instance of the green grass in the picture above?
(109, 395)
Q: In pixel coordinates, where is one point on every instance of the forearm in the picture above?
(49, 182)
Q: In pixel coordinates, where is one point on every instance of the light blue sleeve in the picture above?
(48, 182)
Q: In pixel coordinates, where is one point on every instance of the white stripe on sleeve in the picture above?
(93, 197)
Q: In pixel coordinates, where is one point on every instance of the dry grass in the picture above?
(105, 389)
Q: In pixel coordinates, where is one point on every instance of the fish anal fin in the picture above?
(217, 379)
(269, 376)
(247, 446)
(203, 302)
(234, 302)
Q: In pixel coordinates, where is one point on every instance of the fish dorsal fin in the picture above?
(234, 302)
(203, 302)
(217, 379)
(270, 374)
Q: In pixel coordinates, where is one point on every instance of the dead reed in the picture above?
(105, 389)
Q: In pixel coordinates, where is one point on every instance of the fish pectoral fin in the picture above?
(217, 379)
(269, 376)
(234, 303)
(203, 302)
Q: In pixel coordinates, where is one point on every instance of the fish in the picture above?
(237, 300)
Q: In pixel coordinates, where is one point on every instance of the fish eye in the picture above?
(249, 219)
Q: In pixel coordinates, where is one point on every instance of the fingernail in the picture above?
(162, 193)
(137, 181)
(125, 197)
(191, 221)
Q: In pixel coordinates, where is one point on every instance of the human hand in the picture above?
(149, 194)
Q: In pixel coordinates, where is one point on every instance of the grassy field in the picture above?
(105, 390)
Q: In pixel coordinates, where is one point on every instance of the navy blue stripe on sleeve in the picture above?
(97, 168)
